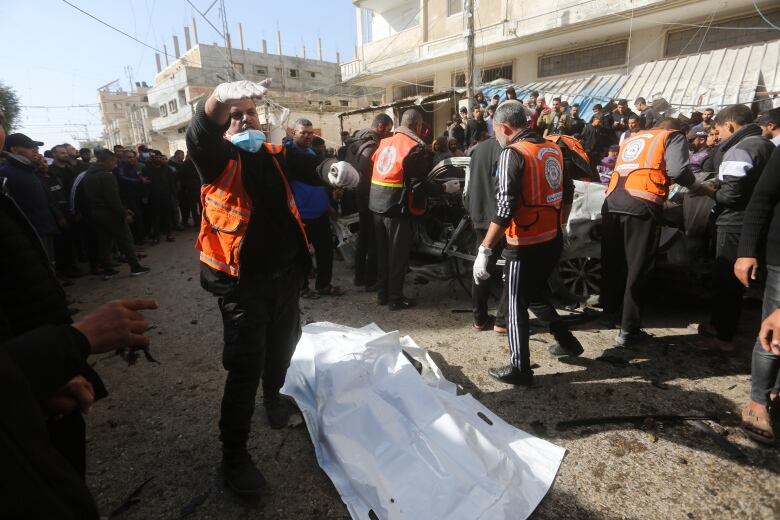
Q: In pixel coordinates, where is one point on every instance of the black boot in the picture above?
(512, 375)
(566, 344)
(279, 410)
(241, 474)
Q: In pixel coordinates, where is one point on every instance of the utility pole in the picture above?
(470, 52)
(228, 45)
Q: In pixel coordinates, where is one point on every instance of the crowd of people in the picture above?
(266, 215)
(95, 210)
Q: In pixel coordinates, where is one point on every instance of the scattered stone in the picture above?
(193, 322)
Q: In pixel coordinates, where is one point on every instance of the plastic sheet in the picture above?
(403, 444)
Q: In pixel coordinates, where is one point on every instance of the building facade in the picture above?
(416, 47)
(126, 116)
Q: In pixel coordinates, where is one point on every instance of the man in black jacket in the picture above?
(360, 153)
(474, 127)
(739, 161)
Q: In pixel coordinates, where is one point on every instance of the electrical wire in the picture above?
(755, 5)
(659, 22)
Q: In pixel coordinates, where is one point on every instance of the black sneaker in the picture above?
(512, 375)
(279, 410)
(566, 344)
(242, 476)
(631, 339)
(109, 273)
(139, 270)
(403, 303)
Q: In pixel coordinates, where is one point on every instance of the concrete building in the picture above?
(417, 47)
(305, 86)
(126, 116)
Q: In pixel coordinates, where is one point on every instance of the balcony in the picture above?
(172, 121)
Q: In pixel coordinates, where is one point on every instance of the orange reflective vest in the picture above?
(574, 145)
(640, 169)
(227, 209)
(388, 173)
(537, 217)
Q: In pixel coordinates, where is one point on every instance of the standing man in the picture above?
(633, 125)
(532, 201)
(481, 205)
(739, 161)
(510, 93)
(107, 214)
(254, 254)
(646, 165)
(707, 120)
(474, 127)
(360, 153)
(553, 121)
(66, 244)
(769, 122)
(399, 191)
(456, 130)
(132, 187)
(620, 118)
(649, 118)
(699, 150)
(160, 178)
(576, 123)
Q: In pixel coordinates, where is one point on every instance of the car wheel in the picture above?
(581, 276)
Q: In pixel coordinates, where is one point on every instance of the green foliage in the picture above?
(9, 106)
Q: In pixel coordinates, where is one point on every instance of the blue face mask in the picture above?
(249, 140)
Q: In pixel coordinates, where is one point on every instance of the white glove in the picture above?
(229, 93)
(343, 175)
(480, 264)
(452, 186)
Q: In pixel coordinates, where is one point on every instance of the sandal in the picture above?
(331, 290)
(308, 294)
(757, 427)
(703, 329)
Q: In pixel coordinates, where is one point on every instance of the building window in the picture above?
(459, 79)
(691, 41)
(498, 72)
(312, 74)
(117, 106)
(405, 91)
(343, 102)
(292, 73)
(163, 111)
(238, 67)
(263, 71)
(454, 7)
(600, 57)
(172, 107)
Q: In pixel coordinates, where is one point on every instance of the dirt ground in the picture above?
(159, 422)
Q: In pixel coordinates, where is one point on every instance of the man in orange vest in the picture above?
(646, 165)
(399, 190)
(253, 253)
(534, 197)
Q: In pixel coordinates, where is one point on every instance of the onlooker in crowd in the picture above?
(133, 188)
(62, 166)
(606, 121)
(595, 140)
(480, 201)
(454, 148)
(759, 248)
(769, 122)
(464, 117)
(67, 244)
(490, 110)
(646, 165)
(576, 123)
(360, 154)
(649, 118)
(161, 189)
(470, 150)
(107, 214)
(479, 97)
(27, 189)
(620, 118)
(85, 156)
(189, 192)
(510, 93)
(456, 130)
(441, 150)
(313, 201)
(474, 127)
(739, 161)
(713, 140)
(533, 100)
(118, 149)
(607, 164)
(553, 120)
(633, 125)
(495, 100)
(697, 140)
(707, 118)
(536, 112)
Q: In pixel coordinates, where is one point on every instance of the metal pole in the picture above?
(470, 52)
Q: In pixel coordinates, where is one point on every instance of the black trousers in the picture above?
(526, 280)
(138, 227)
(188, 205)
(628, 250)
(365, 252)
(160, 215)
(393, 244)
(480, 293)
(262, 326)
(112, 229)
(321, 239)
(727, 303)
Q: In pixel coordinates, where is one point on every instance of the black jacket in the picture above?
(39, 352)
(359, 152)
(473, 130)
(483, 179)
(739, 161)
(273, 242)
(456, 130)
(761, 225)
(29, 193)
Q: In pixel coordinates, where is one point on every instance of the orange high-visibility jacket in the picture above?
(227, 209)
(640, 169)
(388, 174)
(537, 217)
(574, 145)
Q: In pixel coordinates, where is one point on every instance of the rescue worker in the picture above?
(534, 197)
(399, 190)
(647, 163)
(253, 253)
(575, 158)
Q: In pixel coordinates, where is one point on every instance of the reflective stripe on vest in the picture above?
(537, 216)
(640, 168)
(227, 209)
(388, 160)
